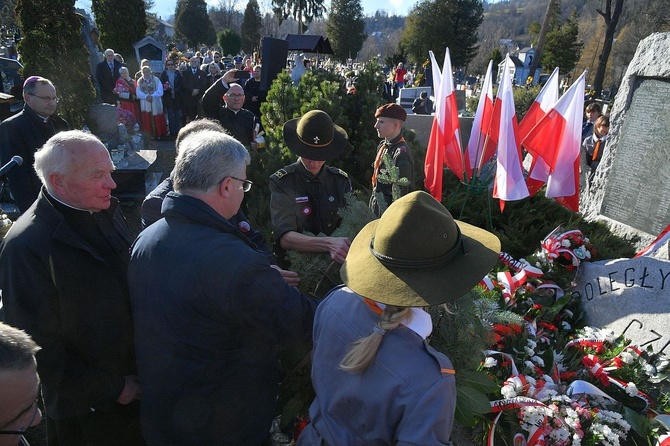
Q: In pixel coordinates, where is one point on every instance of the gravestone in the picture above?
(629, 296)
(152, 50)
(631, 188)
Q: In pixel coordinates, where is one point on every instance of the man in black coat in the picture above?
(239, 122)
(63, 278)
(194, 87)
(27, 131)
(107, 72)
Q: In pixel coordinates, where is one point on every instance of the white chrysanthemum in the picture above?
(627, 357)
(559, 435)
(631, 389)
(537, 360)
(566, 243)
(490, 362)
(529, 351)
(565, 325)
(508, 391)
(531, 344)
(576, 440)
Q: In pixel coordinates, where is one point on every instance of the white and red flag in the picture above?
(659, 241)
(474, 151)
(444, 146)
(509, 185)
(556, 139)
(538, 109)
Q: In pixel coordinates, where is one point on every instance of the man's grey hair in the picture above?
(17, 349)
(58, 154)
(197, 125)
(205, 159)
(30, 87)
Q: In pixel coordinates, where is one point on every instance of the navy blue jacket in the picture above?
(210, 313)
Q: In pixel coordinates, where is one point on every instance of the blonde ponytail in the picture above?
(363, 351)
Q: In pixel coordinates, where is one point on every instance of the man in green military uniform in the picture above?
(390, 118)
(306, 195)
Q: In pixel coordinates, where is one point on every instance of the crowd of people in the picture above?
(186, 321)
(173, 338)
(162, 104)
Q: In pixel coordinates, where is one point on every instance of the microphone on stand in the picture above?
(15, 161)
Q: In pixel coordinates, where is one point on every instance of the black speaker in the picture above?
(274, 54)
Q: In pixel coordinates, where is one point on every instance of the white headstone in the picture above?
(629, 296)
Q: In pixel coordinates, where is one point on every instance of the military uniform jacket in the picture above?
(402, 158)
(302, 202)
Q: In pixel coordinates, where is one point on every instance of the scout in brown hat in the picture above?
(306, 195)
(376, 379)
(390, 118)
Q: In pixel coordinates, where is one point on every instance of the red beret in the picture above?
(391, 110)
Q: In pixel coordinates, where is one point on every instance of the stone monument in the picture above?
(629, 296)
(631, 188)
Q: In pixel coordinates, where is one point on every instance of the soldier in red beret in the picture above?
(390, 118)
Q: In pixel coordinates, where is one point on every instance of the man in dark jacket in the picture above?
(63, 278)
(194, 87)
(172, 95)
(239, 122)
(107, 72)
(209, 309)
(24, 133)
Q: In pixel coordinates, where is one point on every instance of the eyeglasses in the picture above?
(246, 184)
(36, 411)
(55, 99)
(234, 96)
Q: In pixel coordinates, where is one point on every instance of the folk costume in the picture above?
(125, 88)
(153, 119)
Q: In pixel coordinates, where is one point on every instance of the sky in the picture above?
(165, 8)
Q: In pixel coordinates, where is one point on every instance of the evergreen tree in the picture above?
(437, 24)
(52, 47)
(304, 11)
(193, 23)
(346, 28)
(229, 41)
(561, 47)
(121, 23)
(251, 27)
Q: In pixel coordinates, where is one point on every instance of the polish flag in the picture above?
(444, 145)
(509, 184)
(661, 240)
(480, 126)
(556, 139)
(538, 109)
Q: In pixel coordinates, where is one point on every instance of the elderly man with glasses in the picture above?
(209, 309)
(19, 386)
(27, 131)
(242, 124)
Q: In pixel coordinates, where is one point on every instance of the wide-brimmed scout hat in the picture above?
(314, 136)
(417, 255)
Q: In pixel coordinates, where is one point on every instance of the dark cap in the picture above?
(391, 110)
